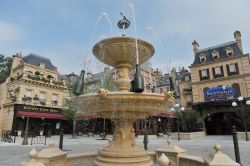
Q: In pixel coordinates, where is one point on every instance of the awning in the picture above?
(89, 116)
(39, 115)
(166, 114)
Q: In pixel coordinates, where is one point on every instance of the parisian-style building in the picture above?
(220, 74)
(33, 94)
(183, 87)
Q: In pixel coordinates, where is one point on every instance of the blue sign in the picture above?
(220, 92)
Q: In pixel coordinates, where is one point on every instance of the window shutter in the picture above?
(237, 68)
(213, 72)
(222, 71)
(208, 75)
(200, 75)
(228, 72)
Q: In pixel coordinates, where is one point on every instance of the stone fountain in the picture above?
(123, 107)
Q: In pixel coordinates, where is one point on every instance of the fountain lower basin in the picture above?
(126, 105)
(123, 108)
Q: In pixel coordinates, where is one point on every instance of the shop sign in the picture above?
(37, 108)
(220, 92)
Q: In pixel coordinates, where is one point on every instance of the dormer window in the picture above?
(215, 55)
(203, 58)
(42, 64)
(229, 51)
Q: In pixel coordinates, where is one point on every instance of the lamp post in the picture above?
(26, 133)
(234, 104)
(177, 110)
(145, 140)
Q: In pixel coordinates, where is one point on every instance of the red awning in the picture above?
(166, 114)
(39, 115)
(90, 116)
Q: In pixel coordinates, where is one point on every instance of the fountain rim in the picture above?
(123, 39)
(127, 95)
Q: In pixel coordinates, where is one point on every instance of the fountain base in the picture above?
(123, 149)
(132, 157)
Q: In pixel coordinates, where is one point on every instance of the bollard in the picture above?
(236, 145)
(61, 139)
(145, 140)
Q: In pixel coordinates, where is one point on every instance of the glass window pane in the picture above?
(217, 70)
(232, 68)
(204, 73)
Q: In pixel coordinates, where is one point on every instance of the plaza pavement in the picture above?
(13, 153)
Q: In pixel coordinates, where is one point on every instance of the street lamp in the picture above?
(178, 109)
(234, 104)
(145, 140)
(26, 133)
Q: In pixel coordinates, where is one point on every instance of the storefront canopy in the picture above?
(39, 115)
(166, 114)
(89, 116)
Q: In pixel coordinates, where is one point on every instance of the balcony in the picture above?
(38, 79)
(187, 90)
(26, 99)
(42, 102)
(54, 102)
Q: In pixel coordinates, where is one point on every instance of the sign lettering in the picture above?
(38, 109)
(219, 92)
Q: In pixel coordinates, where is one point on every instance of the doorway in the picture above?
(220, 123)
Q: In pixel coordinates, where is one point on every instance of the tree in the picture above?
(239, 117)
(5, 67)
(188, 121)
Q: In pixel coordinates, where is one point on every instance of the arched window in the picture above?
(204, 91)
(236, 88)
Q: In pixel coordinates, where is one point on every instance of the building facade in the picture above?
(32, 93)
(219, 75)
(185, 89)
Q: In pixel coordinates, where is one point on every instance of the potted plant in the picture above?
(41, 131)
(19, 131)
(37, 75)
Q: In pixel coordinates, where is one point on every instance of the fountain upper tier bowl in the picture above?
(123, 105)
(116, 50)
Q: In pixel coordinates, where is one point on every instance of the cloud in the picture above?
(73, 58)
(9, 33)
(204, 19)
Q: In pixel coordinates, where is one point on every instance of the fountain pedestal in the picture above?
(123, 149)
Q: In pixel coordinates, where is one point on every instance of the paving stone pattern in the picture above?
(13, 153)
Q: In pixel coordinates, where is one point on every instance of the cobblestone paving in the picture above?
(13, 153)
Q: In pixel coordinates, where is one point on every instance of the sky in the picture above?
(65, 31)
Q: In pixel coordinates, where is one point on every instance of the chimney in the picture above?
(17, 59)
(195, 46)
(237, 36)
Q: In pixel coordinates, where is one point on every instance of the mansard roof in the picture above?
(36, 60)
(221, 50)
(163, 80)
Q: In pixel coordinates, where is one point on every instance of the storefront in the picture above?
(37, 118)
